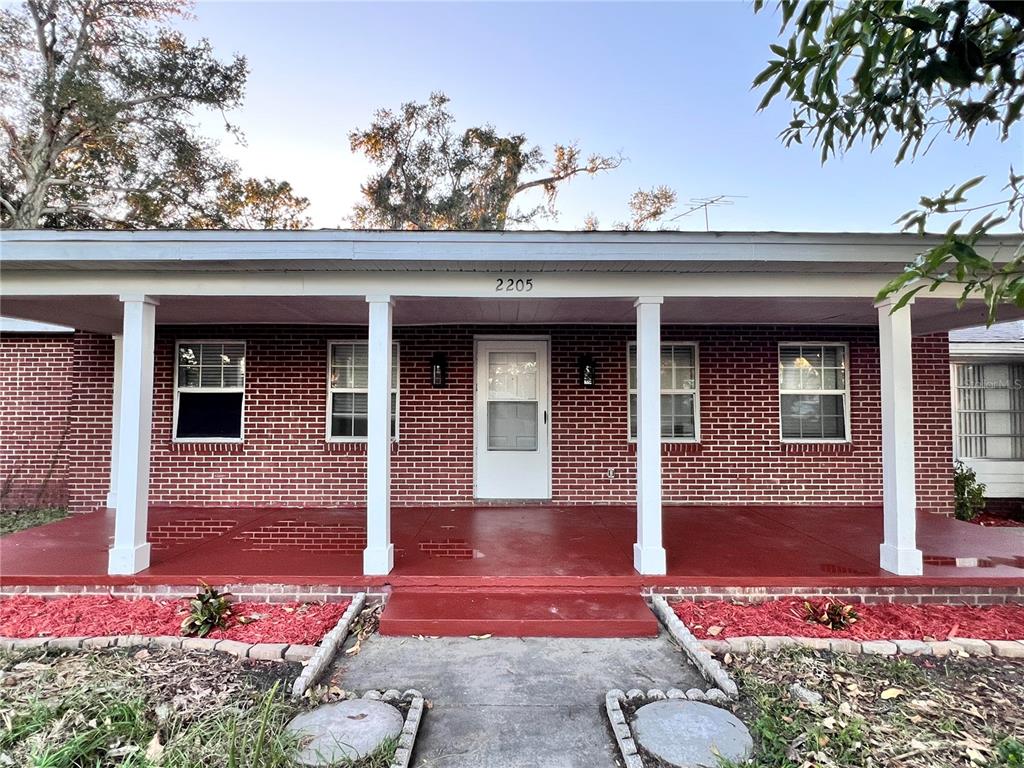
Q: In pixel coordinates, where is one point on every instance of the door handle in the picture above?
(545, 417)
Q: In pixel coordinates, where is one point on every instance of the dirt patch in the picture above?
(905, 712)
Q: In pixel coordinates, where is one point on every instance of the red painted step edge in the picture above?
(517, 613)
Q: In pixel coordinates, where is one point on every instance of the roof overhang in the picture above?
(75, 277)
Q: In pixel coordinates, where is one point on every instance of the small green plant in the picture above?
(831, 613)
(210, 609)
(1009, 754)
(970, 494)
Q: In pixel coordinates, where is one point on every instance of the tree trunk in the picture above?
(29, 211)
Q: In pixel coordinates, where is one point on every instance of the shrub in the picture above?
(208, 610)
(831, 613)
(970, 494)
(1009, 754)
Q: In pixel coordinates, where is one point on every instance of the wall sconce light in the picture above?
(439, 370)
(586, 369)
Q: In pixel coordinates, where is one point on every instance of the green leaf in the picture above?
(906, 298)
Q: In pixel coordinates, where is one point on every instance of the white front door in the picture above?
(512, 419)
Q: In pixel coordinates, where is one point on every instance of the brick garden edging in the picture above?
(1007, 649)
(708, 666)
(258, 651)
(620, 727)
(410, 728)
(246, 593)
(328, 646)
(912, 594)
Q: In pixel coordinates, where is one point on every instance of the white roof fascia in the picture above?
(41, 246)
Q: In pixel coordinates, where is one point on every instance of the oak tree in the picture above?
(434, 176)
(96, 110)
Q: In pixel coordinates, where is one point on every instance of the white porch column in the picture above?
(648, 552)
(115, 422)
(899, 552)
(379, 555)
(130, 553)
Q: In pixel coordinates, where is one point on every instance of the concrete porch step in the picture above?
(517, 613)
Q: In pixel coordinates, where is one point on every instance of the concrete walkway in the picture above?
(515, 703)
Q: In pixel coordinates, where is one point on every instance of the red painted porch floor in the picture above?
(519, 546)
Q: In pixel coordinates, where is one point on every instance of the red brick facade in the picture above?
(285, 460)
(35, 411)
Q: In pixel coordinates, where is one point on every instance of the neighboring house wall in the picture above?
(988, 381)
(740, 459)
(35, 409)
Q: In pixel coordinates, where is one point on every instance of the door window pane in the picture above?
(511, 426)
(512, 375)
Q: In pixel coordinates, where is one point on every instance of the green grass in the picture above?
(132, 708)
(12, 520)
(115, 710)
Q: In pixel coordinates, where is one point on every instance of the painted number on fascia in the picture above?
(513, 285)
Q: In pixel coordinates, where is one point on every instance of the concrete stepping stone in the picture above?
(690, 734)
(344, 730)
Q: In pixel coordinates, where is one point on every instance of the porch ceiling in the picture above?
(102, 314)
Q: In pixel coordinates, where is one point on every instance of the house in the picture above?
(988, 408)
(573, 382)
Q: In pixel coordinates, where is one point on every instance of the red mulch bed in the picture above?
(989, 520)
(881, 621)
(294, 623)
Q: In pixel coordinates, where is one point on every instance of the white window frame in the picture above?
(631, 347)
(844, 392)
(177, 391)
(395, 390)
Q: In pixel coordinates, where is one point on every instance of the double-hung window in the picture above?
(209, 390)
(814, 393)
(990, 410)
(680, 407)
(347, 391)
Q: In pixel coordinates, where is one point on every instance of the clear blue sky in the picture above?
(667, 84)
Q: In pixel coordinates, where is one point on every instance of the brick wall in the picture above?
(285, 460)
(35, 402)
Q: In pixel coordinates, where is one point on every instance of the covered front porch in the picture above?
(522, 546)
(773, 289)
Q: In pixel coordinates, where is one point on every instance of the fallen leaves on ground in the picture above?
(900, 712)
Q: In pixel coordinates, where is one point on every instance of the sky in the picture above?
(667, 85)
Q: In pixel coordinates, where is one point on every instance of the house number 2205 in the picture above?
(513, 285)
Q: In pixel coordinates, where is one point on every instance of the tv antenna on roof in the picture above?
(704, 203)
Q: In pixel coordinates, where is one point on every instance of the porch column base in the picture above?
(902, 562)
(127, 561)
(649, 561)
(378, 561)
(112, 500)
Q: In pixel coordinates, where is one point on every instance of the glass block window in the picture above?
(209, 390)
(989, 410)
(814, 392)
(679, 395)
(347, 383)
